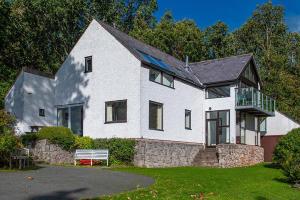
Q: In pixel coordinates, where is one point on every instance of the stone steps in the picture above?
(207, 157)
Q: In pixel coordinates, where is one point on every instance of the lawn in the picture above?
(261, 182)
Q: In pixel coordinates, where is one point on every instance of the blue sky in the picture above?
(233, 12)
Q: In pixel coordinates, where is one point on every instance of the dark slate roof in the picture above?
(220, 70)
(36, 72)
(134, 46)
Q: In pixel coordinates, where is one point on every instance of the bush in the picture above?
(58, 135)
(121, 151)
(28, 138)
(7, 123)
(8, 144)
(83, 143)
(287, 153)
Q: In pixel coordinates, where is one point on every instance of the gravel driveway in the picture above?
(60, 183)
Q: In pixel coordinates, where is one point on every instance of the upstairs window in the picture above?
(218, 92)
(188, 119)
(42, 112)
(116, 111)
(88, 64)
(161, 78)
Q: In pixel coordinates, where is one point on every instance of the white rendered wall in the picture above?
(280, 124)
(14, 102)
(38, 94)
(227, 103)
(174, 101)
(115, 76)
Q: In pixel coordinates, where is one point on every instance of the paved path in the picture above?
(66, 183)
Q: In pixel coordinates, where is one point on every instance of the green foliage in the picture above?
(121, 151)
(28, 138)
(287, 153)
(7, 122)
(83, 142)
(8, 143)
(58, 135)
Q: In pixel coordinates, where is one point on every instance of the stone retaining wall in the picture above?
(237, 155)
(44, 151)
(157, 153)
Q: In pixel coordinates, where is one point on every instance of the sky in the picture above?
(233, 12)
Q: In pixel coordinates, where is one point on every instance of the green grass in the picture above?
(259, 182)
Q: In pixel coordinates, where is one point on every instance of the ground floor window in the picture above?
(155, 116)
(188, 119)
(217, 127)
(249, 129)
(71, 117)
(116, 111)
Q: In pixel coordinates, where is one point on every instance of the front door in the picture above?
(212, 132)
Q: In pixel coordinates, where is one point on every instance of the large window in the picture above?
(116, 111)
(88, 64)
(218, 92)
(188, 119)
(71, 117)
(161, 78)
(42, 112)
(155, 116)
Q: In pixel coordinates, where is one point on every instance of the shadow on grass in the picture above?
(271, 165)
(65, 195)
(261, 198)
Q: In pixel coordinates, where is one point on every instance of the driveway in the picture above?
(67, 183)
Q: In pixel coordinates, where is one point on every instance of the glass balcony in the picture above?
(252, 100)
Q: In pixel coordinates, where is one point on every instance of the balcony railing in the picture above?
(253, 100)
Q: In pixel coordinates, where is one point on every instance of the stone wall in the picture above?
(236, 155)
(44, 151)
(158, 153)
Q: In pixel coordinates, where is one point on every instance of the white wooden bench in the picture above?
(91, 154)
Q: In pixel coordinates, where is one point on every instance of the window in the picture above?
(42, 112)
(262, 124)
(218, 92)
(71, 117)
(88, 64)
(155, 116)
(116, 111)
(161, 78)
(188, 119)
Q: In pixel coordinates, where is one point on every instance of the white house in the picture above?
(112, 85)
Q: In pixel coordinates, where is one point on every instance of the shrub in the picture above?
(7, 122)
(58, 135)
(287, 153)
(121, 151)
(83, 143)
(8, 143)
(28, 138)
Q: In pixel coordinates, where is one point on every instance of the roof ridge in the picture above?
(105, 24)
(220, 59)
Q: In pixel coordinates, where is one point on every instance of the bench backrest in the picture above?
(101, 154)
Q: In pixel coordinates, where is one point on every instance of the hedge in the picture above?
(287, 155)
(58, 135)
(121, 151)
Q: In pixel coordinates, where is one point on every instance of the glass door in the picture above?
(212, 132)
(71, 117)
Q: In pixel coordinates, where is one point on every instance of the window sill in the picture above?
(153, 129)
(162, 84)
(188, 129)
(115, 122)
